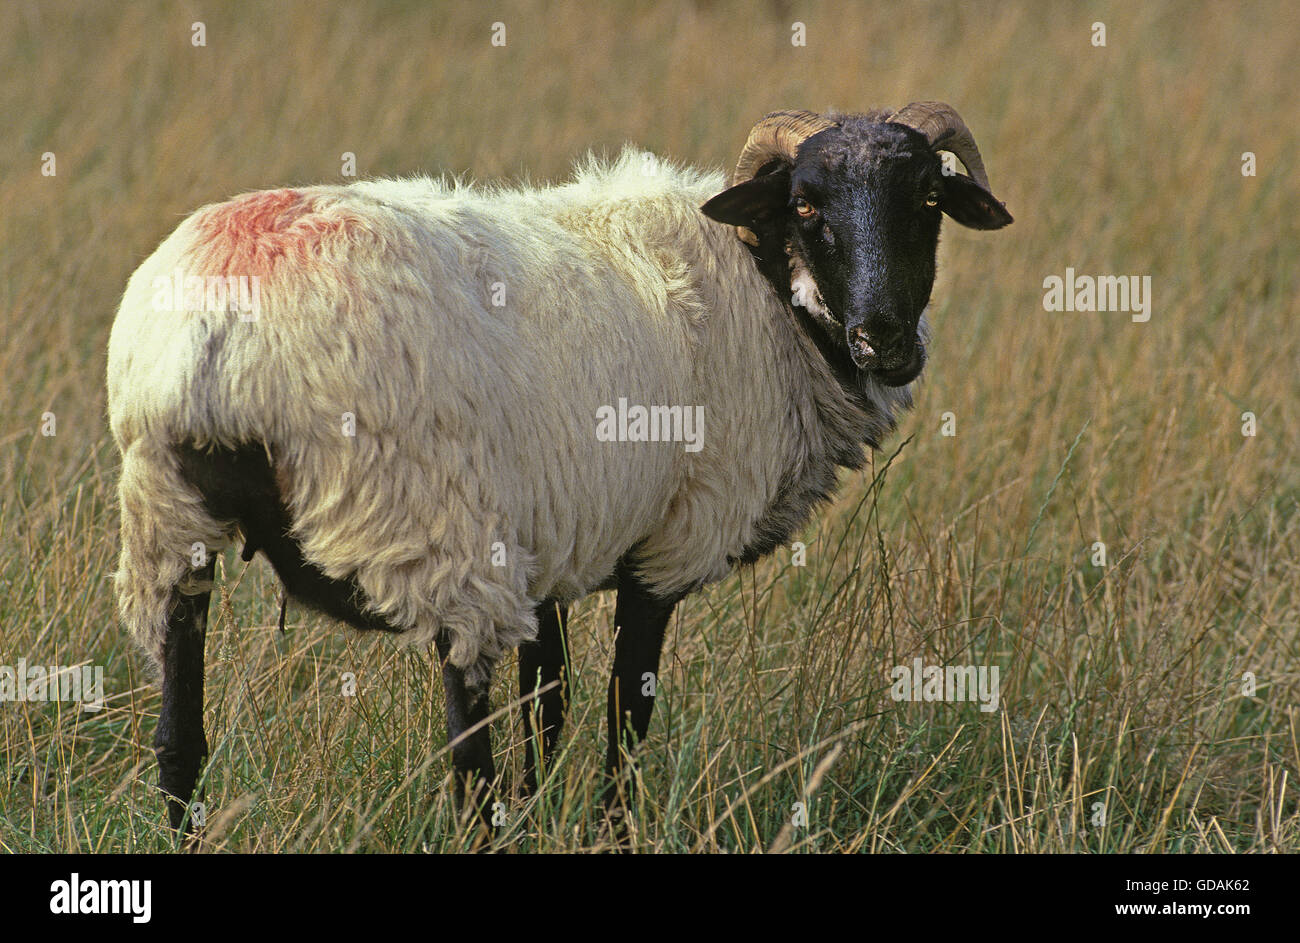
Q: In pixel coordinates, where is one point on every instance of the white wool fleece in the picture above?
(472, 335)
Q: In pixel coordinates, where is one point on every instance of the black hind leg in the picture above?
(541, 663)
(471, 754)
(179, 742)
(641, 620)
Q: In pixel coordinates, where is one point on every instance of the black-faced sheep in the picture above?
(412, 398)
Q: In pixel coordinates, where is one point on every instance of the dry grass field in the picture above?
(1147, 705)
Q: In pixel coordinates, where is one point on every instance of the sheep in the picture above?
(394, 393)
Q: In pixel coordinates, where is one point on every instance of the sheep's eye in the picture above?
(804, 208)
(932, 198)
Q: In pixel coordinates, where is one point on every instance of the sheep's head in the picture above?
(849, 206)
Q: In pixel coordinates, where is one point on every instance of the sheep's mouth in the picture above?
(903, 375)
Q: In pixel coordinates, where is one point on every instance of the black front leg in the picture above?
(471, 756)
(640, 620)
(178, 741)
(540, 663)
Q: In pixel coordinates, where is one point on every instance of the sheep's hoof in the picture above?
(618, 825)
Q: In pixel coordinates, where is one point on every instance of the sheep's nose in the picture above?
(859, 346)
(881, 349)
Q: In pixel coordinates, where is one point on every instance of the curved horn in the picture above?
(944, 129)
(777, 135)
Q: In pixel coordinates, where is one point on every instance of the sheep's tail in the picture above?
(168, 539)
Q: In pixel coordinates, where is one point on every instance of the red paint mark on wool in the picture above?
(255, 234)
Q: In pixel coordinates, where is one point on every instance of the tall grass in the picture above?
(1122, 726)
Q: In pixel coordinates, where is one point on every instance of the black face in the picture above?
(859, 211)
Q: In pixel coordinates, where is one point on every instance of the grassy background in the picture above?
(1121, 685)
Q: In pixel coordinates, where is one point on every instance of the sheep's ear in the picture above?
(971, 205)
(751, 203)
